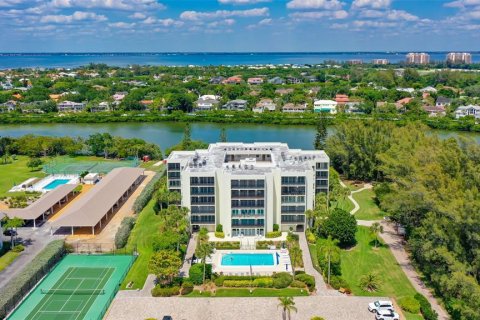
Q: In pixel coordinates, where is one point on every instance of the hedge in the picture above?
(237, 283)
(273, 234)
(298, 284)
(337, 282)
(196, 273)
(426, 308)
(266, 282)
(265, 244)
(158, 291)
(227, 245)
(409, 304)
(219, 234)
(187, 287)
(20, 285)
(282, 280)
(307, 279)
(147, 193)
(123, 232)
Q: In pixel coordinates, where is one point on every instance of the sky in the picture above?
(238, 25)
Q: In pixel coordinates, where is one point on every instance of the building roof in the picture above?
(43, 204)
(88, 210)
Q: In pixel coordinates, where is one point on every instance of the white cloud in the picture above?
(109, 4)
(371, 14)
(462, 3)
(374, 24)
(122, 25)
(76, 16)
(265, 22)
(226, 22)
(162, 22)
(138, 15)
(241, 1)
(198, 15)
(396, 15)
(316, 15)
(11, 3)
(374, 4)
(315, 4)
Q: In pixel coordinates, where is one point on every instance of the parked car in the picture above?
(167, 318)
(380, 305)
(10, 232)
(387, 314)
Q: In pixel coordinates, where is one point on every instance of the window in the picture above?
(173, 175)
(322, 165)
(174, 166)
(202, 180)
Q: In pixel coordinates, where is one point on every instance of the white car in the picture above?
(387, 315)
(380, 305)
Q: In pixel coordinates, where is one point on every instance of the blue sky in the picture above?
(238, 25)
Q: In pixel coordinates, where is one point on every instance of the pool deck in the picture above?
(284, 264)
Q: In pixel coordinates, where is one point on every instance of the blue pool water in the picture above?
(55, 183)
(247, 259)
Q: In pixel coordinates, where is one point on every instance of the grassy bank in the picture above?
(7, 259)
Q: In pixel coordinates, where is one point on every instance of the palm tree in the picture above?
(204, 251)
(310, 214)
(375, 229)
(370, 282)
(295, 255)
(288, 305)
(329, 247)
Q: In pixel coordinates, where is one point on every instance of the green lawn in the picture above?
(258, 292)
(147, 225)
(14, 173)
(363, 258)
(7, 259)
(343, 203)
(368, 208)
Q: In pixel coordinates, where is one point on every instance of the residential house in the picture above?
(55, 97)
(7, 85)
(341, 99)
(32, 107)
(119, 96)
(216, 80)
(265, 105)
(293, 80)
(276, 80)
(237, 105)
(429, 89)
(404, 101)
(443, 102)
(8, 106)
(233, 80)
(146, 103)
(353, 107)
(255, 81)
(284, 91)
(206, 102)
(311, 78)
(407, 90)
(434, 111)
(469, 110)
(101, 107)
(400, 107)
(69, 106)
(329, 106)
(294, 108)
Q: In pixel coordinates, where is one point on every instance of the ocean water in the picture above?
(71, 60)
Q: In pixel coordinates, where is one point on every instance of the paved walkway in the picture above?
(187, 262)
(350, 196)
(331, 308)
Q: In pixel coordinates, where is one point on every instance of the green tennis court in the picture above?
(66, 165)
(79, 288)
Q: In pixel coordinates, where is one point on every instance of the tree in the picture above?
(165, 265)
(375, 229)
(223, 135)
(204, 251)
(295, 255)
(33, 163)
(288, 305)
(13, 224)
(370, 282)
(329, 247)
(340, 225)
(187, 136)
(322, 134)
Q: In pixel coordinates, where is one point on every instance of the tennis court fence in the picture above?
(83, 247)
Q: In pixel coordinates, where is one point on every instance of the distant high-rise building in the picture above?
(418, 58)
(459, 57)
(380, 61)
(354, 61)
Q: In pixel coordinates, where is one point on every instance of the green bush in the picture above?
(15, 289)
(237, 283)
(292, 237)
(147, 193)
(340, 225)
(273, 234)
(409, 304)
(282, 280)
(187, 287)
(158, 291)
(263, 282)
(307, 279)
(227, 245)
(196, 273)
(265, 244)
(219, 281)
(276, 227)
(298, 284)
(219, 234)
(311, 238)
(18, 248)
(338, 282)
(219, 228)
(317, 318)
(426, 308)
(123, 232)
(322, 258)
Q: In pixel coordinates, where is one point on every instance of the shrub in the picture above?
(158, 291)
(187, 287)
(299, 272)
(219, 234)
(219, 281)
(307, 279)
(426, 308)
(337, 282)
(341, 225)
(317, 318)
(227, 245)
(322, 257)
(409, 304)
(147, 193)
(273, 234)
(291, 237)
(196, 273)
(282, 280)
(265, 244)
(311, 238)
(18, 248)
(276, 227)
(15, 289)
(237, 283)
(263, 282)
(123, 232)
(219, 228)
(298, 284)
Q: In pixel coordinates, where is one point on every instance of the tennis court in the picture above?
(67, 165)
(80, 287)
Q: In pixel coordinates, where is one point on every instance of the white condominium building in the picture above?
(248, 187)
(418, 58)
(459, 57)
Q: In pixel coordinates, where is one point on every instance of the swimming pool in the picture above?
(247, 259)
(55, 183)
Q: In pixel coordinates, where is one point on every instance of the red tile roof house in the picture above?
(341, 99)
(254, 81)
(434, 111)
(233, 80)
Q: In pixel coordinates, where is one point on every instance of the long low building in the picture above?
(44, 205)
(102, 199)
